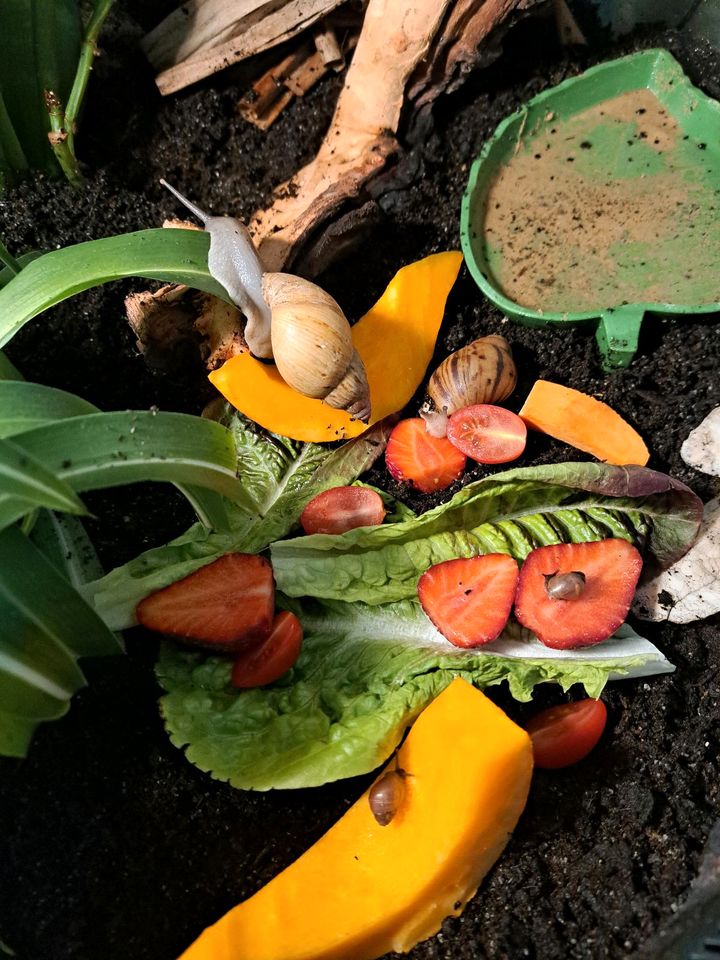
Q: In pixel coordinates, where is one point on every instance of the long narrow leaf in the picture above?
(111, 449)
(27, 483)
(65, 543)
(174, 256)
(6, 275)
(12, 156)
(8, 370)
(46, 627)
(208, 505)
(24, 406)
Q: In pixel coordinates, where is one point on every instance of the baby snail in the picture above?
(387, 795)
(289, 320)
(565, 586)
(481, 372)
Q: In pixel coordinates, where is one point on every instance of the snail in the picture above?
(565, 586)
(386, 796)
(481, 372)
(288, 319)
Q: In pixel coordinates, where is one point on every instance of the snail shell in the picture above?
(386, 796)
(481, 372)
(312, 346)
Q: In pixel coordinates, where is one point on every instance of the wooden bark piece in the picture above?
(460, 45)
(240, 37)
(174, 323)
(394, 38)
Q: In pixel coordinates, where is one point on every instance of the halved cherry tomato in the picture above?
(487, 434)
(415, 456)
(272, 658)
(566, 734)
(342, 508)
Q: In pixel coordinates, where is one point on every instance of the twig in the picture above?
(518, 141)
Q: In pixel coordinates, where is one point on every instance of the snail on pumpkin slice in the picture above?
(288, 319)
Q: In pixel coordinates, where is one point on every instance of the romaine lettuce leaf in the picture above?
(279, 477)
(364, 674)
(512, 512)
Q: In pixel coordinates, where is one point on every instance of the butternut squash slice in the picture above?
(364, 889)
(583, 422)
(396, 340)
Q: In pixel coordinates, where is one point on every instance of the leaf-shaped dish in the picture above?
(598, 200)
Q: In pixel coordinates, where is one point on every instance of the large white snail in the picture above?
(288, 319)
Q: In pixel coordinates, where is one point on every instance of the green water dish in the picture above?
(599, 201)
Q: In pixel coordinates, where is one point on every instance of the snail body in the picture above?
(481, 372)
(288, 319)
(565, 586)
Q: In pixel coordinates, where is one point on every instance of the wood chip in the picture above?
(269, 94)
(328, 46)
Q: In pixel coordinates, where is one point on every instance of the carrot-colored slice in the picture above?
(583, 422)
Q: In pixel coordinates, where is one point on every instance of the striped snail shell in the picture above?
(481, 372)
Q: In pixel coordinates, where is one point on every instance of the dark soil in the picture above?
(113, 846)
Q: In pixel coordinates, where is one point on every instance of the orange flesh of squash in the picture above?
(395, 339)
(363, 890)
(583, 422)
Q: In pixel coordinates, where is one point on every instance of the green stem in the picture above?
(88, 52)
(7, 258)
(59, 138)
(63, 123)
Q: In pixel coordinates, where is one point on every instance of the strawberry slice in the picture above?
(577, 594)
(342, 508)
(487, 433)
(267, 662)
(225, 605)
(429, 463)
(469, 601)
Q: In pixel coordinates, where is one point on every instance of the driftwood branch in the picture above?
(394, 38)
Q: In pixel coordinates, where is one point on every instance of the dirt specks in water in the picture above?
(613, 210)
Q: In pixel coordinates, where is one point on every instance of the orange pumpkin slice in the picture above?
(364, 889)
(395, 339)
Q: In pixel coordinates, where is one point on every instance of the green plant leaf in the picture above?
(8, 370)
(63, 540)
(6, 274)
(26, 483)
(41, 45)
(279, 477)
(110, 449)
(174, 256)
(209, 506)
(12, 156)
(26, 405)
(512, 512)
(46, 627)
(363, 675)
